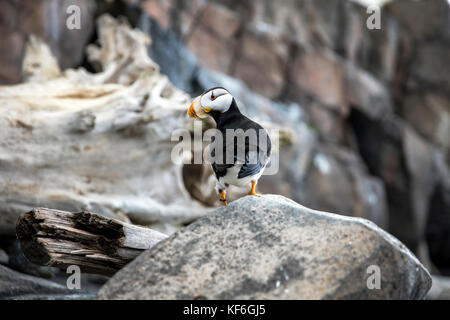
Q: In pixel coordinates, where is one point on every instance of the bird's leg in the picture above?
(223, 198)
(252, 191)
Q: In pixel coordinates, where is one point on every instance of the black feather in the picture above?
(234, 119)
(250, 169)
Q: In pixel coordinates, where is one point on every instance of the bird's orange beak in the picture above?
(191, 112)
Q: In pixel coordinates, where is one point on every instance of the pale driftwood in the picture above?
(97, 141)
(95, 243)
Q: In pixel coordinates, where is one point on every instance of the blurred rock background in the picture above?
(370, 109)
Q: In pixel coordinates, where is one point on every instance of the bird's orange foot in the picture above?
(252, 191)
(223, 198)
(254, 194)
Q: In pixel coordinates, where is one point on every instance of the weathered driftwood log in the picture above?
(95, 243)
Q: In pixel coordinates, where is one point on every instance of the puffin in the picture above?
(243, 152)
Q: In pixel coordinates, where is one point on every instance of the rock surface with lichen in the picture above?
(273, 248)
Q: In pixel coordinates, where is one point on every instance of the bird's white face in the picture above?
(215, 99)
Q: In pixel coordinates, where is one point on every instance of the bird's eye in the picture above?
(213, 97)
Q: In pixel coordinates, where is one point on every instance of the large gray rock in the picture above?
(272, 248)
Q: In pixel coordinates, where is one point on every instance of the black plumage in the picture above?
(234, 119)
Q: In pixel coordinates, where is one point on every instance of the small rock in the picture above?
(3, 257)
(15, 285)
(440, 290)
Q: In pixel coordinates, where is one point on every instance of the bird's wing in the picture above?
(252, 152)
(219, 167)
(257, 155)
(249, 168)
